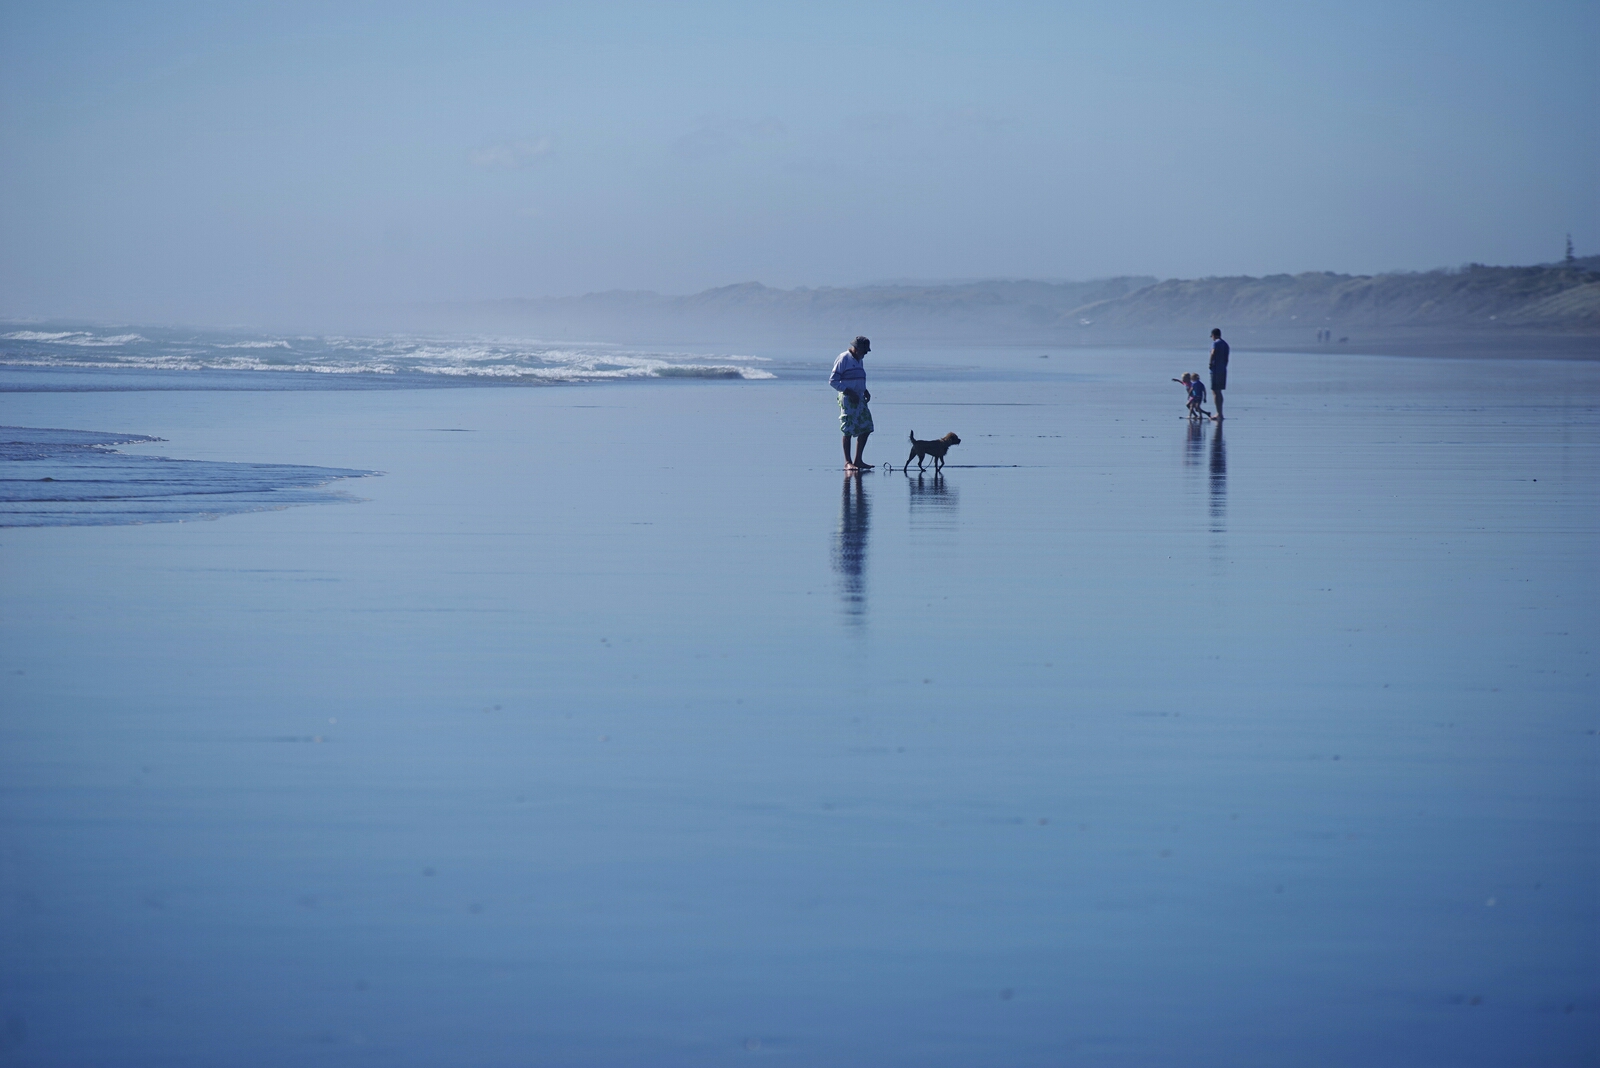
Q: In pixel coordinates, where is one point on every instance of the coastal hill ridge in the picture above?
(1554, 305)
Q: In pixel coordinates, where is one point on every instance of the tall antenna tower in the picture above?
(1569, 250)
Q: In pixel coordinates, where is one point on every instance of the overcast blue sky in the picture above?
(213, 162)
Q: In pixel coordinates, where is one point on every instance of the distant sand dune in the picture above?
(1557, 298)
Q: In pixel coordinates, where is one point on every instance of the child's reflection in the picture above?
(1194, 444)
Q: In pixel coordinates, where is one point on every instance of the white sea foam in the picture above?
(81, 338)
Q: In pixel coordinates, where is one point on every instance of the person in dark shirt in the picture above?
(1219, 369)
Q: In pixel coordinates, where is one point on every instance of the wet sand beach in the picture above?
(614, 724)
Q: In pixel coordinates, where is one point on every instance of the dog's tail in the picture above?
(912, 435)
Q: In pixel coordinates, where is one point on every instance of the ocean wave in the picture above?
(80, 338)
(182, 364)
(711, 372)
(488, 359)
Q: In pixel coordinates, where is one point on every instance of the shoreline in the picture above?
(792, 360)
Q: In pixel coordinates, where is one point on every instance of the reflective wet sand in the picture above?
(618, 726)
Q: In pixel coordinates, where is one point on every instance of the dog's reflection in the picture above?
(850, 546)
(933, 501)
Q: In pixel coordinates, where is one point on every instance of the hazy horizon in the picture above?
(250, 164)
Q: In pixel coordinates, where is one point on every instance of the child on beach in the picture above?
(1196, 390)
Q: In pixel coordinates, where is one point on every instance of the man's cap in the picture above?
(861, 344)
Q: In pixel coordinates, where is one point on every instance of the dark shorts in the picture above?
(1219, 380)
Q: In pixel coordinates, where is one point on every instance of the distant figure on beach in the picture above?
(849, 377)
(1219, 369)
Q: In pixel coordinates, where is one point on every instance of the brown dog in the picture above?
(935, 449)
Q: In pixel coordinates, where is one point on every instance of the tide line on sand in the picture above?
(52, 477)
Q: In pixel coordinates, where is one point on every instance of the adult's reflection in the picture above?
(1219, 479)
(850, 546)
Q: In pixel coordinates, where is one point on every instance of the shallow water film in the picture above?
(58, 478)
(618, 726)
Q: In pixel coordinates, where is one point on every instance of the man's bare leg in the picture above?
(847, 462)
(1216, 395)
(861, 445)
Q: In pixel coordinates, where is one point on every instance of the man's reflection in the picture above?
(1219, 480)
(850, 548)
(933, 502)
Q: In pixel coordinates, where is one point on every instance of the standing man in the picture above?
(1219, 369)
(855, 418)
